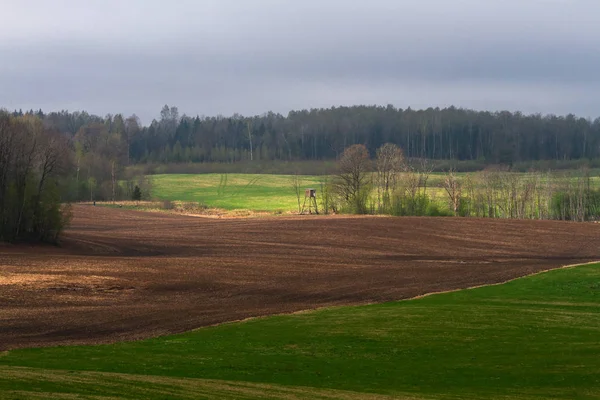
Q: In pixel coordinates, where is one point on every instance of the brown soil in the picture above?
(123, 275)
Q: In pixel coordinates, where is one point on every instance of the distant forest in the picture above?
(322, 134)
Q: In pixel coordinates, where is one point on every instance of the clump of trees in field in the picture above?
(42, 168)
(34, 162)
(102, 153)
(391, 185)
(400, 188)
(500, 193)
(353, 183)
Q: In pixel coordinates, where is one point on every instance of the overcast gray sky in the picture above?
(249, 56)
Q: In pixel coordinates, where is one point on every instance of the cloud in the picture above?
(230, 56)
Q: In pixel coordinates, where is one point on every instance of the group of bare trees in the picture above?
(33, 162)
(388, 165)
(392, 185)
(500, 193)
(387, 185)
(41, 167)
(353, 180)
(352, 186)
(101, 155)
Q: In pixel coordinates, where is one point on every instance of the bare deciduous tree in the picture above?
(425, 168)
(353, 176)
(453, 188)
(471, 195)
(410, 182)
(389, 164)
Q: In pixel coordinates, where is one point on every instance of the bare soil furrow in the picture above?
(126, 275)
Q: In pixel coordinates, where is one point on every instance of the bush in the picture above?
(137, 193)
(419, 206)
(561, 206)
(434, 210)
(564, 206)
(359, 204)
(410, 206)
(593, 205)
(464, 207)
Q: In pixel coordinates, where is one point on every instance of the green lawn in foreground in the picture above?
(259, 192)
(533, 338)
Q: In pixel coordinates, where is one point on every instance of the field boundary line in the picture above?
(421, 296)
(544, 271)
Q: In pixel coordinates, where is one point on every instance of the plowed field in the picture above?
(123, 275)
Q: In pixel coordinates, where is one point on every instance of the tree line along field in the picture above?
(531, 338)
(276, 193)
(104, 150)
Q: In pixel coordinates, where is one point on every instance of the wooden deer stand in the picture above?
(310, 202)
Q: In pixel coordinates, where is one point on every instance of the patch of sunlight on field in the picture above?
(275, 193)
(234, 191)
(248, 191)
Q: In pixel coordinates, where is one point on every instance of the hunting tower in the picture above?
(310, 202)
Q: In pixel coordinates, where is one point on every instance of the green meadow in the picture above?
(259, 192)
(275, 193)
(532, 338)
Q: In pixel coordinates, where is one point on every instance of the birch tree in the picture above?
(389, 164)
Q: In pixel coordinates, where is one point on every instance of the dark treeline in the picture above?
(323, 134)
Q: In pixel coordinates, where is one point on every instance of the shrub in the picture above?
(137, 193)
(434, 210)
(410, 206)
(569, 206)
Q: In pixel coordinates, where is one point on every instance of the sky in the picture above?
(220, 57)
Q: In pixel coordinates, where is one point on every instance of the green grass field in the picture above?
(532, 338)
(264, 192)
(257, 192)
(260, 192)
